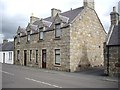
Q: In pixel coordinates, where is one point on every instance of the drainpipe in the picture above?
(107, 60)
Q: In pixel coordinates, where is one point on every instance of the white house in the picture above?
(6, 52)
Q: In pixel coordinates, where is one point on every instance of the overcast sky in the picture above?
(17, 12)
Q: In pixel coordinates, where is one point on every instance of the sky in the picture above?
(14, 13)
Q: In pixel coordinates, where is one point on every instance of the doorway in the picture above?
(25, 57)
(44, 58)
(3, 57)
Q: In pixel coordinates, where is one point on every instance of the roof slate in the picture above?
(67, 17)
(9, 46)
(71, 14)
(115, 36)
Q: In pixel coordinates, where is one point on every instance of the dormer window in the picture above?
(41, 33)
(28, 37)
(57, 31)
(18, 38)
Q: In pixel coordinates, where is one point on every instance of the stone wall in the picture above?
(81, 44)
(50, 44)
(86, 41)
(113, 61)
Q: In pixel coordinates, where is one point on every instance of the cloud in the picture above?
(10, 25)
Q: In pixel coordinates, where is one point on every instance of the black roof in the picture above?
(9, 46)
(115, 36)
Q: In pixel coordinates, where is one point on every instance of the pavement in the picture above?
(14, 76)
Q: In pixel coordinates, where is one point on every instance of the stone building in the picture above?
(112, 46)
(65, 41)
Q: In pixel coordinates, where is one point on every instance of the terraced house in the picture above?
(65, 41)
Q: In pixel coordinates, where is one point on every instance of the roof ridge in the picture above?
(73, 9)
(63, 13)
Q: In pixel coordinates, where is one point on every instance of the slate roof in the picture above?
(115, 36)
(9, 46)
(66, 17)
(71, 14)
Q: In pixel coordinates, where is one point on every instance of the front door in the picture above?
(25, 57)
(3, 57)
(44, 58)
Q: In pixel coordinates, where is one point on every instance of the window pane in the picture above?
(30, 54)
(9, 55)
(58, 51)
(41, 35)
(57, 59)
(18, 55)
(57, 56)
(58, 30)
(28, 37)
(18, 38)
(36, 56)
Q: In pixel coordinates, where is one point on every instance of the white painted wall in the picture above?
(7, 60)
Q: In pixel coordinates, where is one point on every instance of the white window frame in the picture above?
(57, 30)
(28, 36)
(10, 55)
(57, 63)
(41, 35)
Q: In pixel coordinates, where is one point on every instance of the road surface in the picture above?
(14, 76)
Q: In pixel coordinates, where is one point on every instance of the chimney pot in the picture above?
(114, 9)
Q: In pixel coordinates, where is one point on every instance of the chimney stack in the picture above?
(114, 17)
(89, 3)
(114, 9)
(33, 19)
(5, 41)
(54, 12)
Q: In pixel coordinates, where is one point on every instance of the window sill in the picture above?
(57, 65)
(57, 38)
(41, 40)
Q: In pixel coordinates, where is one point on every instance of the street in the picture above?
(14, 76)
